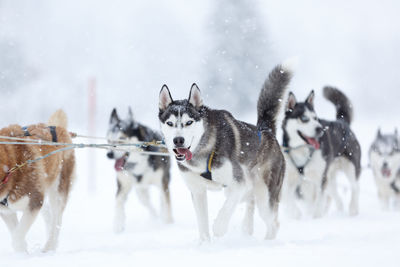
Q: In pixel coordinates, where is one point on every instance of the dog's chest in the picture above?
(222, 174)
(140, 163)
(20, 204)
(316, 166)
(310, 163)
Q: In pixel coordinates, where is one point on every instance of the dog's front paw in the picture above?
(20, 246)
(353, 211)
(119, 227)
(204, 239)
(248, 226)
(220, 228)
(49, 248)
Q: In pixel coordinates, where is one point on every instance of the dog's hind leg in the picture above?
(28, 217)
(58, 197)
(350, 171)
(233, 197)
(268, 213)
(124, 182)
(144, 198)
(248, 220)
(332, 187)
(57, 202)
(165, 207)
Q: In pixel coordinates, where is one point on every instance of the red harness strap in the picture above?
(6, 178)
(10, 171)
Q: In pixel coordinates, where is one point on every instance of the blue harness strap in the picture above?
(26, 132)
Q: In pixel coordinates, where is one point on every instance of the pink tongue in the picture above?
(313, 142)
(386, 172)
(119, 164)
(186, 152)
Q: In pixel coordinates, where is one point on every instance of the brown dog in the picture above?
(26, 188)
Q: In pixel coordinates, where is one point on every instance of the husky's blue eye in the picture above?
(170, 124)
(189, 123)
(304, 118)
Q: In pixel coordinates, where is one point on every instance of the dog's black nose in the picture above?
(319, 130)
(110, 155)
(385, 165)
(179, 141)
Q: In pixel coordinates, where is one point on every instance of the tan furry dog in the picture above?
(25, 189)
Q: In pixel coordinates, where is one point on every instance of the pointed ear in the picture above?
(130, 114)
(378, 133)
(310, 98)
(114, 116)
(165, 98)
(195, 96)
(291, 102)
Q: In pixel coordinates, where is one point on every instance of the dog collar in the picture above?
(207, 174)
(394, 187)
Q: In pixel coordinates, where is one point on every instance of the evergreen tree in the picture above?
(239, 58)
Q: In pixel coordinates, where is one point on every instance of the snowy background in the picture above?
(51, 50)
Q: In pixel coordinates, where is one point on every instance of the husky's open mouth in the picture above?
(120, 163)
(182, 153)
(310, 140)
(386, 172)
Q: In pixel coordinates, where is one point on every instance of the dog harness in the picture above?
(207, 174)
(19, 166)
(395, 188)
(300, 169)
(52, 132)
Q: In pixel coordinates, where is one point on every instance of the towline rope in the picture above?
(121, 145)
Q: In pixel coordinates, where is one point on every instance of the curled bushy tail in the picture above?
(58, 119)
(344, 108)
(271, 97)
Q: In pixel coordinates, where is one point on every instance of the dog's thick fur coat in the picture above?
(28, 187)
(138, 171)
(316, 150)
(243, 159)
(384, 158)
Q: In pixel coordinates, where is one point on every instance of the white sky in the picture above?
(132, 48)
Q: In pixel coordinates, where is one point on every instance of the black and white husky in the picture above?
(316, 150)
(215, 151)
(137, 170)
(384, 156)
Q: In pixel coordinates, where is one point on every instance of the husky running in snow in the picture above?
(138, 170)
(384, 157)
(316, 150)
(215, 151)
(27, 188)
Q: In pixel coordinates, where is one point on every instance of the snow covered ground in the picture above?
(87, 239)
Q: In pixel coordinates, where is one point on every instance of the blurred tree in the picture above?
(239, 58)
(14, 71)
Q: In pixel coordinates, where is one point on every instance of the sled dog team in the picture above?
(213, 151)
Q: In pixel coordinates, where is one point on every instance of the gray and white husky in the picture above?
(215, 151)
(137, 170)
(316, 150)
(384, 156)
